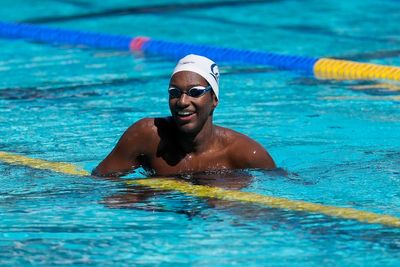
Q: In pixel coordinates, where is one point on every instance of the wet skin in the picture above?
(185, 142)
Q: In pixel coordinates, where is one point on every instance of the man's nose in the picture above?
(183, 100)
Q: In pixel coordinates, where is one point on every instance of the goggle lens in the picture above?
(195, 92)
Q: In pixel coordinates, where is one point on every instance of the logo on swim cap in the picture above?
(215, 72)
(187, 62)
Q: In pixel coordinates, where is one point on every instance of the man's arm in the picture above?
(247, 153)
(124, 157)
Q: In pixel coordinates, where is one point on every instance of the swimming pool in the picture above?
(337, 139)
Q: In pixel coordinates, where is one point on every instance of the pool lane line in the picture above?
(203, 191)
(61, 167)
(321, 68)
(269, 201)
(335, 69)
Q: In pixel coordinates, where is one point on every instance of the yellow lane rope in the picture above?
(215, 192)
(273, 202)
(335, 69)
(42, 164)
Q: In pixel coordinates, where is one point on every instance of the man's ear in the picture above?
(215, 100)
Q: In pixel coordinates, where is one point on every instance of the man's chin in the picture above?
(186, 128)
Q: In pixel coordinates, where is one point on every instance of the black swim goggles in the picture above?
(195, 91)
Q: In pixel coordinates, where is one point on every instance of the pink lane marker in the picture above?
(137, 43)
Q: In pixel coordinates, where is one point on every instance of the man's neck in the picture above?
(198, 142)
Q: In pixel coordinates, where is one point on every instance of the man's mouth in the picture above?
(185, 115)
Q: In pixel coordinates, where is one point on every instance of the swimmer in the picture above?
(187, 141)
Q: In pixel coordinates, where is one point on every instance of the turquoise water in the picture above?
(338, 140)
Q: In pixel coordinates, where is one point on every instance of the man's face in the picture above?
(190, 113)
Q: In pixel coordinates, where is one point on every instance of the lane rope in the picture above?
(272, 202)
(321, 68)
(61, 167)
(335, 69)
(214, 192)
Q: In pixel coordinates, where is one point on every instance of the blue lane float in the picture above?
(322, 68)
(61, 36)
(147, 45)
(177, 50)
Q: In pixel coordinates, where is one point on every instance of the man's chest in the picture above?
(174, 163)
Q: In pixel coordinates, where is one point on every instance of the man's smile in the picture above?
(185, 115)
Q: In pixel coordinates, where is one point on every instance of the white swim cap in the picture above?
(203, 66)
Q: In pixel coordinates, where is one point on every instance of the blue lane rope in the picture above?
(147, 45)
(177, 50)
(54, 35)
(322, 68)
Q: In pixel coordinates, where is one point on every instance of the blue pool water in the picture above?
(338, 140)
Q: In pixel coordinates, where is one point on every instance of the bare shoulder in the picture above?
(143, 132)
(243, 151)
(145, 125)
(234, 139)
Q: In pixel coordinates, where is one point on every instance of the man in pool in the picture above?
(187, 141)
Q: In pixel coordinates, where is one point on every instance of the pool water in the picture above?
(338, 140)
